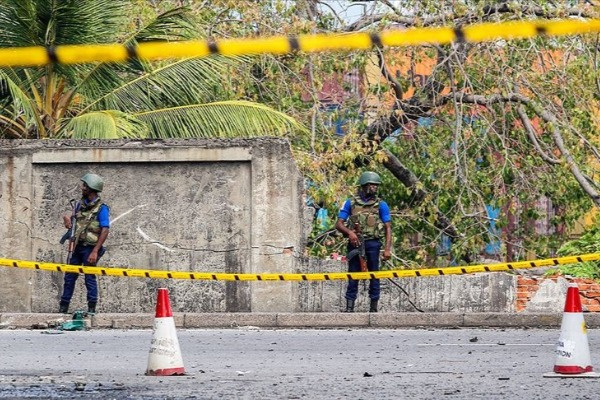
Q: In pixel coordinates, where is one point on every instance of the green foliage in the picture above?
(588, 243)
(467, 157)
(210, 122)
(181, 98)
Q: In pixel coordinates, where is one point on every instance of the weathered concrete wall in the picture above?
(219, 206)
(488, 292)
(192, 205)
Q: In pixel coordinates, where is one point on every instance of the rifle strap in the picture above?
(74, 237)
(353, 253)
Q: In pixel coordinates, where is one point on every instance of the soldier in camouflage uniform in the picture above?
(92, 222)
(375, 223)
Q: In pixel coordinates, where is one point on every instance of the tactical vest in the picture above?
(87, 227)
(366, 214)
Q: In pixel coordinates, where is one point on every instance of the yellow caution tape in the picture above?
(212, 276)
(72, 54)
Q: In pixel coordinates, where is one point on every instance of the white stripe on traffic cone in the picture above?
(572, 350)
(165, 355)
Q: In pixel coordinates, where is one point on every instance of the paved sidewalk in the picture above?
(301, 320)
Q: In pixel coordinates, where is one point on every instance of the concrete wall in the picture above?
(486, 292)
(191, 205)
(222, 206)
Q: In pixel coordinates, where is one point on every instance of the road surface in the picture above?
(252, 363)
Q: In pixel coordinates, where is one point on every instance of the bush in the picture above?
(587, 243)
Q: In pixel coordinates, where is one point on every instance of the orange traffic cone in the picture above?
(572, 350)
(165, 356)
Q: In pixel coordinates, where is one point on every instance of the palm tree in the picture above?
(182, 98)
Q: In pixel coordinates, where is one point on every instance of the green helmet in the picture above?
(93, 181)
(369, 177)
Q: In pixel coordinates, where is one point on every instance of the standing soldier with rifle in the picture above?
(88, 229)
(365, 219)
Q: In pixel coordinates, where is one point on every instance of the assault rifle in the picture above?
(70, 234)
(360, 250)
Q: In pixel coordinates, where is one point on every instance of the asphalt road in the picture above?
(250, 363)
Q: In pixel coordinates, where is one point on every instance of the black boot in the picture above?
(373, 307)
(349, 305)
(63, 307)
(91, 307)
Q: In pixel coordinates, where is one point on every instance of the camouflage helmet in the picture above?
(369, 177)
(93, 181)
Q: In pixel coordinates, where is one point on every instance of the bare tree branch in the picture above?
(410, 180)
(595, 58)
(592, 148)
(404, 175)
(488, 11)
(396, 87)
(531, 135)
(547, 117)
(411, 109)
(391, 6)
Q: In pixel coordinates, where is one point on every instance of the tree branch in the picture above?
(484, 14)
(387, 75)
(410, 180)
(592, 148)
(404, 175)
(531, 134)
(547, 117)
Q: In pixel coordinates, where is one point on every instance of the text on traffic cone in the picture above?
(165, 355)
(572, 349)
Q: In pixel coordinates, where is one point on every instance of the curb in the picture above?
(301, 320)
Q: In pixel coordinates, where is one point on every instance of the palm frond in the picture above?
(76, 21)
(175, 24)
(16, 27)
(44, 22)
(101, 79)
(108, 124)
(187, 81)
(226, 119)
(19, 104)
(92, 82)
